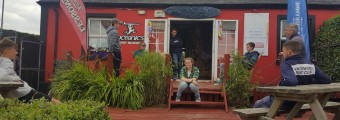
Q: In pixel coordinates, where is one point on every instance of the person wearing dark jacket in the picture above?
(176, 46)
(251, 56)
(295, 70)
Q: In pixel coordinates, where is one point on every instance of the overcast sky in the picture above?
(22, 15)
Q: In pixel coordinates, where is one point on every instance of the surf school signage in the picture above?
(129, 33)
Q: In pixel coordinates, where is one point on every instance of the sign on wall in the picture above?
(256, 26)
(129, 36)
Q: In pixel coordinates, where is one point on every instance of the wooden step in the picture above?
(203, 92)
(196, 103)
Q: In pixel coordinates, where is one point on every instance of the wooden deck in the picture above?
(185, 112)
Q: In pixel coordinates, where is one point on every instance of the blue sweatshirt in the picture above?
(296, 71)
(176, 44)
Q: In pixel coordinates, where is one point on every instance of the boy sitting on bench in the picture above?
(295, 70)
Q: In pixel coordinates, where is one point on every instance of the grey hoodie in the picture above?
(113, 38)
(7, 73)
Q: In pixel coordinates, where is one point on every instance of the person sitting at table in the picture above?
(140, 51)
(8, 52)
(189, 75)
(295, 70)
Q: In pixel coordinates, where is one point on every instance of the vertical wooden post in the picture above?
(109, 64)
(226, 66)
(226, 77)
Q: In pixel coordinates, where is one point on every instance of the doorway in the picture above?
(197, 38)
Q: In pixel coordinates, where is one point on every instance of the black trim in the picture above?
(100, 15)
(43, 39)
(311, 31)
(216, 5)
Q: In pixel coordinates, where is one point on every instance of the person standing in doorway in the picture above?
(114, 44)
(176, 46)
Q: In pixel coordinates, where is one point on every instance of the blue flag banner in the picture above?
(297, 14)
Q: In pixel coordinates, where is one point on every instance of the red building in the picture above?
(205, 39)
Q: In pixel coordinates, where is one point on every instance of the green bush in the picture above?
(326, 53)
(78, 82)
(238, 86)
(12, 109)
(154, 74)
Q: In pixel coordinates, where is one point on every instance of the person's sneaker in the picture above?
(178, 98)
(198, 99)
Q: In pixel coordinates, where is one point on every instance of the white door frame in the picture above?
(215, 43)
(213, 58)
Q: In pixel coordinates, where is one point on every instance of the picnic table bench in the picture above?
(5, 86)
(315, 97)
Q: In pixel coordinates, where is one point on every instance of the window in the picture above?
(97, 32)
(156, 36)
(283, 23)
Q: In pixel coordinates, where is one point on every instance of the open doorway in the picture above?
(197, 37)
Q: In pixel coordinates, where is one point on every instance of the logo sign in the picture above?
(76, 14)
(130, 29)
(159, 14)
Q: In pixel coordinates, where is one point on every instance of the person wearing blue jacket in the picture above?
(295, 70)
(251, 56)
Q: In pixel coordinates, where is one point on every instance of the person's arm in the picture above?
(6, 68)
(196, 75)
(288, 76)
(182, 76)
(321, 77)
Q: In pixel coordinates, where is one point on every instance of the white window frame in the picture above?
(89, 28)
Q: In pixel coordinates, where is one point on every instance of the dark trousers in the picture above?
(33, 94)
(117, 60)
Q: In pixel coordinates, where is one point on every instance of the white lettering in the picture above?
(304, 69)
(74, 15)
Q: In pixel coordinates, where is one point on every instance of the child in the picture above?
(189, 75)
(295, 70)
(8, 52)
(251, 56)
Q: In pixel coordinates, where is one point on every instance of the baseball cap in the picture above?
(115, 20)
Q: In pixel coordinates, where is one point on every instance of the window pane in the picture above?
(95, 27)
(98, 42)
(156, 40)
(104, 25)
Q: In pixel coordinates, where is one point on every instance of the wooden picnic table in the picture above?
(301, 94)
(5, 86)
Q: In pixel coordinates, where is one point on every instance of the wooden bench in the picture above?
(5, 86)
(256, 113)
(210, 95)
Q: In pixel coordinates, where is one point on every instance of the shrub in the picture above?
(238, 87)
(12, 109)
(78, 82)
(154, 74)
(326, 48)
